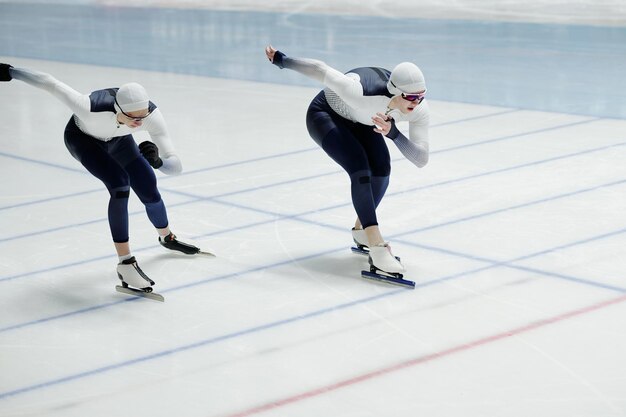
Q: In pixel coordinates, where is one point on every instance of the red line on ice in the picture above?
(423, 359)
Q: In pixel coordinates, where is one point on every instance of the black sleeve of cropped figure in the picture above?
(278, 59)
(5, 73)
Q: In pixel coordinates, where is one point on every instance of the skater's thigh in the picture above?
(335, 135)
(124, 150)
(375, 148)
(143, 180)
(142, 177)
(93, 155)
(345, 149)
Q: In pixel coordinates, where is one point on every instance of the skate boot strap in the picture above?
(129, 261)
(169, 238)
(170, 242)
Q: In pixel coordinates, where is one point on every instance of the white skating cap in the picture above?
(132, 97)
(406, 78)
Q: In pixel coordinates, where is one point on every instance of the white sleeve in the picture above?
(77, 102)
(348, 88)
(157, 129)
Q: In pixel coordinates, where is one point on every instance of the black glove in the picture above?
(5, 74)
(278, 59)
(151, 152)
(393, 131)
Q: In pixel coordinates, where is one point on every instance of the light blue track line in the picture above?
(73, 225)
(317, 176)
(512, 263)
(493, 263)
(472, 118)
(135, 250)
(196, 345)
(517, 206)
(400, 192)
(38, 162)
(198, 198)
(517, 135)
(434, 226)
(172, 289)
(276, 216)
(227, 165)
(248, 331)
(49, 199)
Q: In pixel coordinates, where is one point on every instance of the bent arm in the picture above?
(157, 129)
(415, 149)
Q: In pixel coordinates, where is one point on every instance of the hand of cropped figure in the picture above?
(274, 55)
(269, 52)
(151, 152)
(5, 74)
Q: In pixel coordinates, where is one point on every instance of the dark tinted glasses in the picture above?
(414, 97)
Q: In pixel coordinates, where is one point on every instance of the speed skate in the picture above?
(134, 281)
(171, 242)
(145, 293)
(377, 274)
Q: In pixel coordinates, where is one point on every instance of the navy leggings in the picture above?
(360, 151)
(120, 166)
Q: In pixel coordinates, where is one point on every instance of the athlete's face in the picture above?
(133, 118)
(408, 102)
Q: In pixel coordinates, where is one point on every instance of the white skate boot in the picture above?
(361, 243)
(383, 260)
(385, 267)
(360, 238)
(134, 280)
(130, 274)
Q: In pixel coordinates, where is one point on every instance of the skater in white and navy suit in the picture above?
(99, 136)
(348, 120)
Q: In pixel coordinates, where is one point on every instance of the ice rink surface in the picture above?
(515, 234)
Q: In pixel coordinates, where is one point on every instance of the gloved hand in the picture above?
(5, 74)
(275, 56)
(151, 152)
(385, 125)
(393, 130)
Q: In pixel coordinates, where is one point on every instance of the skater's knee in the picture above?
(120, 192)
(381, 170)
(361, 177)
(153, 197)
(147, 191)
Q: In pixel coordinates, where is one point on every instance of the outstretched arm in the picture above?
(77, 102)
(347, 88)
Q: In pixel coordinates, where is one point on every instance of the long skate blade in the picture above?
(361, 251)
(388, 279)
(132, 291)
(205, 253)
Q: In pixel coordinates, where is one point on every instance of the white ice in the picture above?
(515, 234)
